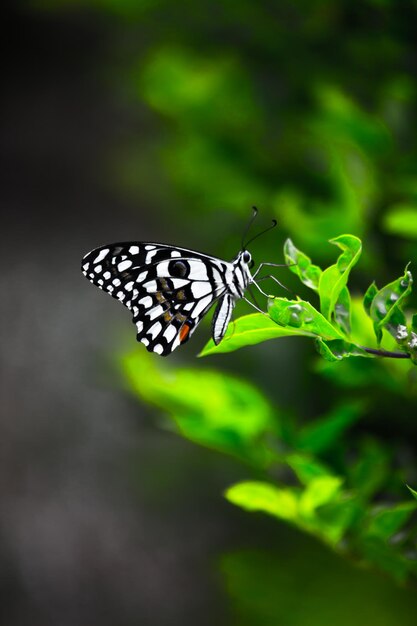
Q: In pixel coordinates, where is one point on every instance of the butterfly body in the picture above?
(169, 290)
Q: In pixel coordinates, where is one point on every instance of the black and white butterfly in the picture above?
(169, 290)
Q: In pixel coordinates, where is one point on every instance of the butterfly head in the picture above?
(246, 259)
(243, 264)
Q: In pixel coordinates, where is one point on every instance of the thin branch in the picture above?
(386, 353)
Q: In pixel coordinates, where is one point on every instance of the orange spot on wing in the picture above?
(184, 332)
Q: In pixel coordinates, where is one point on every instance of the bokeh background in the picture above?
(166, 121)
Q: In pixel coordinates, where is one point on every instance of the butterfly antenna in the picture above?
(274, 223)
(249, 224)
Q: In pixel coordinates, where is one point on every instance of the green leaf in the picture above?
(386, 557)
(211, 408)
(320, 491)
(385, 309)
(339, 515)
(303, 318)
(261, 496)
(401, 219)
(342, 311)
(300, 264)
(369, 297)
(412, 491)
(338, 349)
(250, 330)
(386, 521)
(321, 434)
(306, 467)
(369, 473)
(334, 279)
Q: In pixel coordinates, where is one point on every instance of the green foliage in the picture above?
(331, 326)
(402, 220)
(222, 412)
(208, 407)
(302, 585)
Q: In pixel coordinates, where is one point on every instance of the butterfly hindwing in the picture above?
(167, 289)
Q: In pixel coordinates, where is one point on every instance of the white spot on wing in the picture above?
(134, 249)
(101, 255)
(107, 275)
(150, 255)
(156, 312)
(175, 253)
(117, 282)
(179, 282)
(151, 286)
(217, 276)
(98, 269)
(121, 296)
(129, 286)
(124, 265)
(158, 349)
(200, 289)
(139, 326)
(198, 270)
(200, 306)
(145, 341)
(146, 302)
(155, 330)
(170, 333)
(141, 277)
(149, 247)
(162, 269)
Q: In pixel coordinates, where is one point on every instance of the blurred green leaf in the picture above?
(300, 264)
(412, 491)
(339, 515)
(306, 467)
(319, 491)
(259, 496)
(198, 90)
(334, 279)
(368, 473)
(211, 408)
(401, 219)
(290, 581)
(385, 521)
(321, 434)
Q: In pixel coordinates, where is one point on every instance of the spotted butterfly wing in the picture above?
(168, 290)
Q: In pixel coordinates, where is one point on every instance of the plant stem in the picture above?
(386, 353)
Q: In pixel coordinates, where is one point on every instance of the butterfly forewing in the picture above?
(167, 289)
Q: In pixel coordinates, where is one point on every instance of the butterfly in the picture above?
(169, 290)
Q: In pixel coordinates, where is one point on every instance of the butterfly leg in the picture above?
(268, 265)
(275, 280)
(255, 306)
